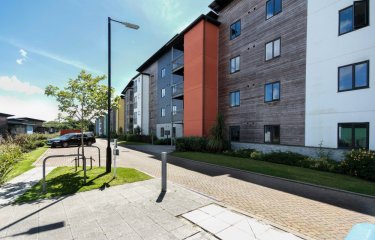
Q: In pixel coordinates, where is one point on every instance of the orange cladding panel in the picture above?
(200, 78)
(193, 81)
(211, 76)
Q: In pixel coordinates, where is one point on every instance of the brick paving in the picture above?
(303, 217)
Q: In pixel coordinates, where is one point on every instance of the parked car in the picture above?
(71, 139)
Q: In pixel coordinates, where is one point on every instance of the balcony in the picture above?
(178, 65)
(178, 91)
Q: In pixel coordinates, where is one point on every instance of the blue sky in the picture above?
(48, 42)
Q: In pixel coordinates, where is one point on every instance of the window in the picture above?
(354, 76)
(353, 135)
(235, 30)
(272, 92)
(163, 112)
(163, 92)
(354, 17)
(234, 133)
(235, 64)
(174, 110)
(272, 134)
(273, 7)
(235, 99)
(162, 132)
(273, 49)
(162, 72)
(174, 132)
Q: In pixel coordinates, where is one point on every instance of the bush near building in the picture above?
(10, 154)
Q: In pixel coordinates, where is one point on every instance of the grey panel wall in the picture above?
(165, 83)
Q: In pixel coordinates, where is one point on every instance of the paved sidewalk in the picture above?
(130, 211)
(304, 217)
(18, 185)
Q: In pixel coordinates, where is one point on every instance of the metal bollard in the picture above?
(163, 171)
(91, 162)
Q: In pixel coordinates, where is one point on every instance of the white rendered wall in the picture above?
(168, 127)
(142, 110)
(326, 51)
(145, 104)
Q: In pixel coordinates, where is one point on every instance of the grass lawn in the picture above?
(26, 163)
(64, 180)
(130, 143)
(327, 179)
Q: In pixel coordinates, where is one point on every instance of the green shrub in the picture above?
(10, 153)
(288, 158)
(242, 153)
(218, 139)
(194, 144)
(122, 137)
(29, 142)
(360, 163)
(166, 141)
(138, 138)
(256, 155)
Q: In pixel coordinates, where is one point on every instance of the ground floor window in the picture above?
(174, 132)
(353, 135)
(162, 132)
(272, 134)
(234, 133)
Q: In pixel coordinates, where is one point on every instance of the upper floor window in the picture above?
(272, 134)
(354, 17)
(174, 110)
(163, 92)
(163, 112)
(353, 135)
(353, 76)
(235, 99)
(235, 30)
(272, 92)
(273, 7)
(273, 49)
(234, 133)
(235, 64)
(162, 72)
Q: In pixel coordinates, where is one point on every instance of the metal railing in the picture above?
(178, 62)
(178, 89)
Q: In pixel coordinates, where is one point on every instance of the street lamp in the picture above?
(109, 151)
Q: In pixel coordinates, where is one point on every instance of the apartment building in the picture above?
(128, 95)
(120, 121)
(340, 109)
(141, 86)
(287, 75)
(262, 70)
(183, 98)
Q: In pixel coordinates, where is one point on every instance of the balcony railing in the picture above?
(178, 90)
(178, 65)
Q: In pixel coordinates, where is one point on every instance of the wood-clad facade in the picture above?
(253, 113)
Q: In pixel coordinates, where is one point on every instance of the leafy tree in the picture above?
(83, 99)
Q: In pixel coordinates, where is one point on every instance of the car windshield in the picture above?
(66, 136)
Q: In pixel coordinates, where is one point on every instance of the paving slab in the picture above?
(112, 215)
(227, 224)
(11, 190)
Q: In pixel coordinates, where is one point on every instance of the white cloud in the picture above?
(41, 109)
(49, 55)
(13, 84)
(21, 60)
(23, 53)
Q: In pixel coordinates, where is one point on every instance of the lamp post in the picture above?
(109, 151)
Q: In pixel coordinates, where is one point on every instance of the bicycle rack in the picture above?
(44, 167)
(88, 147)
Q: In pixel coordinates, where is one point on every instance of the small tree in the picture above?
(218, 141)
(83, 100)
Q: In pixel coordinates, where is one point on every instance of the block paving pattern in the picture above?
(306, 218)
